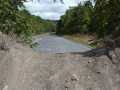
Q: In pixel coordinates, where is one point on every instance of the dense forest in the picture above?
(19, 22)
(100, 18)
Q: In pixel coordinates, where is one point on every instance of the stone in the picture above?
(73, 77)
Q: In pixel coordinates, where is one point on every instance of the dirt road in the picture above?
(22, 68)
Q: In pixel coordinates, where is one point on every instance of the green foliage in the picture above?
(19, 22)
(26, 40)
(32, 45)
(11, 21)
(36, 24)
(107, 12)
(76, 19)
(106, 20)
(3, 47)
(102, 20)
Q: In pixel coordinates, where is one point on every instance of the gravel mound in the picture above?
(22, 68)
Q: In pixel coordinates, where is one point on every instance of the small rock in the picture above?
(66, 87)
(88, 77)
(73, 77)
(50, 77)
(5, 88)
(89, 61)
(98, 72)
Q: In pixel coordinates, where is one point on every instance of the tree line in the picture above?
(16, 20)
(36, 24)
(100, 18)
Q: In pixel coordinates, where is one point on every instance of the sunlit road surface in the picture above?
(53, 44)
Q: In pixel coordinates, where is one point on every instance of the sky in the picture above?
(47, 9)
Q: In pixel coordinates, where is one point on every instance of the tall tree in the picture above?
(107, 18)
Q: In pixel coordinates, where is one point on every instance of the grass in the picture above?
(81, 39)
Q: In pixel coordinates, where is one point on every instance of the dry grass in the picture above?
(81, 39)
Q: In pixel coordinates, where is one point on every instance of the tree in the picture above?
(107, 20)
(12, 20)
(76, 19)
(19, 23)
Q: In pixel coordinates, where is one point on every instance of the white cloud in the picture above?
(47, 9)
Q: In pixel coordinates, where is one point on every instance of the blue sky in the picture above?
(47, 9)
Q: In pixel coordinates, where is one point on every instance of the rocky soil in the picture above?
(22, 68)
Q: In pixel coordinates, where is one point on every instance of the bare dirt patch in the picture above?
(22, 68)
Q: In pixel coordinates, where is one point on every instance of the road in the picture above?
(40, 36)
(55, 44)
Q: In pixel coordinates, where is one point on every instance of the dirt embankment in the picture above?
(22, 68)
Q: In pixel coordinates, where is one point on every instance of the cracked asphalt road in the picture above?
(55, 44)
